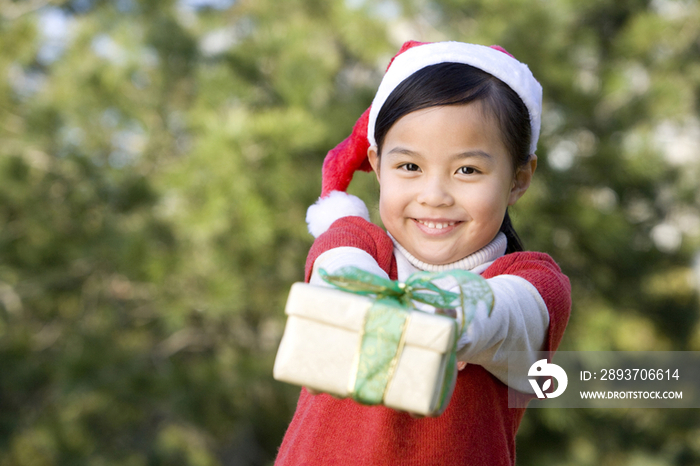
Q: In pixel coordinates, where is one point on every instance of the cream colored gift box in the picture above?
(322, 338)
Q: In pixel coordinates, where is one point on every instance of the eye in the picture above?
(411, 167)
(467, 171)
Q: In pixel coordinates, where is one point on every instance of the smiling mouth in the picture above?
(436, 225)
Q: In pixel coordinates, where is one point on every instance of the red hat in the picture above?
(351, 155)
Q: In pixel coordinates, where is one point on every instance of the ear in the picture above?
(522, 179)
(374, 159)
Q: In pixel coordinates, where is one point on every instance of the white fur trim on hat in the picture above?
(501, 65)
(328, 209)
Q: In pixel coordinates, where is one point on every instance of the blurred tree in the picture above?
(156, 162)
(157, 159)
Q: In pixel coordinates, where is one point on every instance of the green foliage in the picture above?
(157, 159)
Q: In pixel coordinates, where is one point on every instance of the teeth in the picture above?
(438, 226)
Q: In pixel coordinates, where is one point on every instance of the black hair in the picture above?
(459, 84)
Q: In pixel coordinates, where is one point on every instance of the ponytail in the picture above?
(514, 242)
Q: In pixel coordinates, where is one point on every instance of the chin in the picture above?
(438, 259)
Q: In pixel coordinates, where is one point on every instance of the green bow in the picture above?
(419, 287)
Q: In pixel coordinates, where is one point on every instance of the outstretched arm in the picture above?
(352, 241)
(532, 307)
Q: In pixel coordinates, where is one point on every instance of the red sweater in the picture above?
(477, 428)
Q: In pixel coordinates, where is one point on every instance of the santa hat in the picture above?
(351, 155)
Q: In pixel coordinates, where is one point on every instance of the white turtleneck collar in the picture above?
(476, 262)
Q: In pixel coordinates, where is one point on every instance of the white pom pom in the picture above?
(327, 210)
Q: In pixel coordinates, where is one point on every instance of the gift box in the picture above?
(377, 351)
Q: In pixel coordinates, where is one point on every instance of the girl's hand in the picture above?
(449, 312)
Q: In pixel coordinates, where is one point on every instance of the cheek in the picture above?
(389, 202)
(489, 204)
(386, 202)
(393, 200)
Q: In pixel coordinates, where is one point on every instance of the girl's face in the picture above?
(446, 180)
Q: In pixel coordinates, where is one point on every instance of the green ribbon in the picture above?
(379, 350)
(386, 320)
(419, 287)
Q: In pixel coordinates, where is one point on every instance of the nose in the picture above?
(435, 192)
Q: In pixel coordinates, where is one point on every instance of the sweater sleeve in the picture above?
(546, 277)
(358, 238)
(532, 304)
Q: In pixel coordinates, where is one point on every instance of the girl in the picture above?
(451, 136)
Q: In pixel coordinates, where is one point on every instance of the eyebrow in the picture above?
(475, 153)
(403, 151)
(463, 155)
